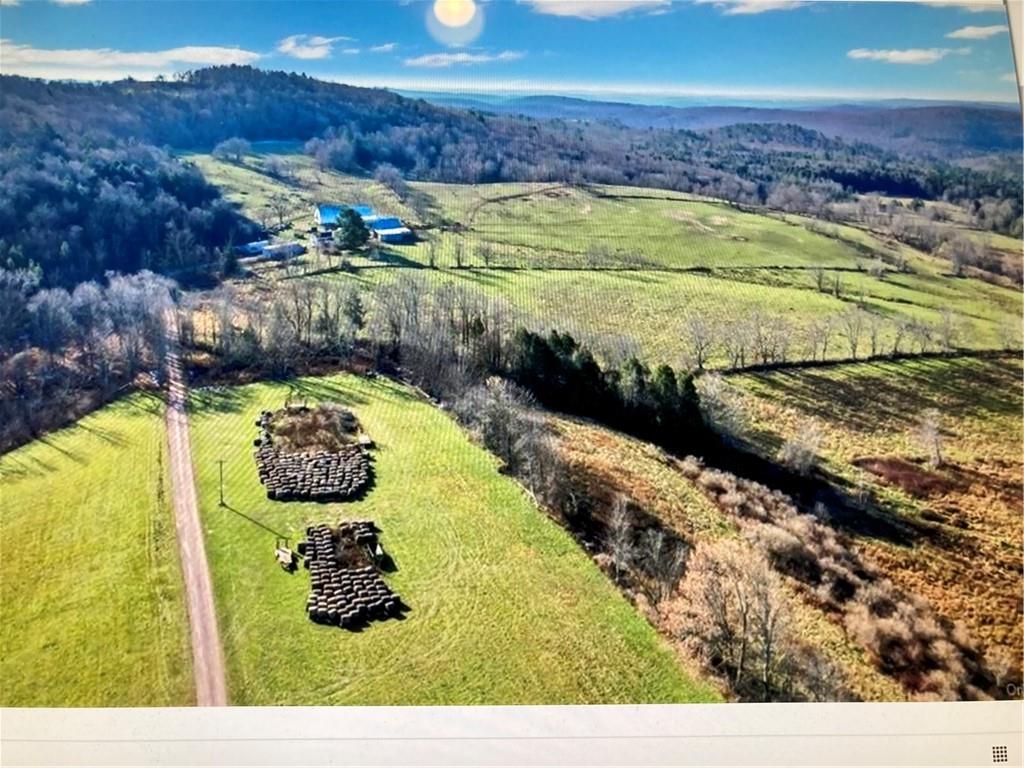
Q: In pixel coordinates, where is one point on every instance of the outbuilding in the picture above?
(283, 250)
(391, 230)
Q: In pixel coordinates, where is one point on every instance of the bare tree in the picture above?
(619, 537)
(800, 452)
(279, 205)
(851, 327)
(901, 329)
(486, 253)
(391, 178)
(929, 434)
(961, 252)
(875, 324)
(820, 335)
(664, 559)
(700, 335)
(922, 334)
(820, 279)
(733, 612)
(279, 168)
(233, 149)
(948, 329)
(737, 340)
(282, 345)
(722, 405)
(52, 321)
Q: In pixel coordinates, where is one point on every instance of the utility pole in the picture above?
(221, 463)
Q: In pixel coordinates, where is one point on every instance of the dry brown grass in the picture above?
(325, 427)
(931, 656)
(967, 564)
(603, 464)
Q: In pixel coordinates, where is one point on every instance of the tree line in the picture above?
(765, 339)
(359, 130)
(77, 207)
(63, 351)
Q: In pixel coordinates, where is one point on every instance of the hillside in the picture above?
(361, 130)
(944, 130)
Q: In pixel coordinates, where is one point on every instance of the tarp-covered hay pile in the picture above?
(345, 588)
(311, 454)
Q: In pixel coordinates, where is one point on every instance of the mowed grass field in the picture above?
(505, 607)
(623, 263)
(965, 556)
(91, 594)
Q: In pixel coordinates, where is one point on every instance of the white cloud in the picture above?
(974, 6)
(439, 60)
(110, 64)
(385, 48)
(748, 7)
(977, 33)
(71, 2)
(8, 2)
(594, 9)
(308, 46)
(908, 55)
(350, 51)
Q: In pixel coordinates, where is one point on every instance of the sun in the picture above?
(454, 13)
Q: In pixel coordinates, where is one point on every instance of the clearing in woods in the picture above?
(91, 601)
(505, 606)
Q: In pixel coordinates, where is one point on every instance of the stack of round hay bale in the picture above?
(342, 595)
(309, 476)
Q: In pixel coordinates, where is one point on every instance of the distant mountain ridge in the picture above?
(944, 130)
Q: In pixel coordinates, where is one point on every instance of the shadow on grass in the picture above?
(391, 258)
(892, 396)
(255, 522)
(23, 468)
(324, 390)
(217, 399)
(54, 445)
(109, 436)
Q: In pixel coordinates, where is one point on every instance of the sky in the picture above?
(640, 50)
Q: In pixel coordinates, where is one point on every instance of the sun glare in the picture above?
(454, 13)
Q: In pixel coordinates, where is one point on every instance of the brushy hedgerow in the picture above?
(932, 657)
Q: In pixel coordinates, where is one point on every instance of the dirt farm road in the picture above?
(207, 656)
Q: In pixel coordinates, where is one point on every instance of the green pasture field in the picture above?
(505, 607)
(626, 264)
(92, 610)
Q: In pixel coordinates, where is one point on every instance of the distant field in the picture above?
(91, 604)
(647, 309)
(506, 609)
(966, 560)
(629, 263)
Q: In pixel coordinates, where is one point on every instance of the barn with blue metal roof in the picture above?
(387, 229)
